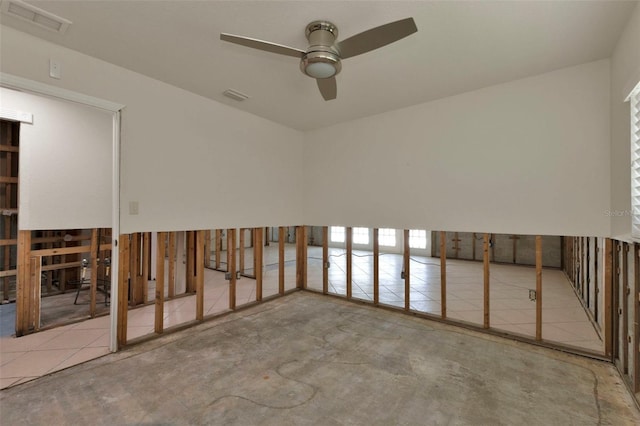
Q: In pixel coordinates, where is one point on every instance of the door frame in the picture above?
(37, 88)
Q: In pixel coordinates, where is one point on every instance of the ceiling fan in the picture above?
(322, 58)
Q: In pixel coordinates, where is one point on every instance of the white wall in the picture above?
(625, 74)
(65, 163)
(191, 163)
(529, 157)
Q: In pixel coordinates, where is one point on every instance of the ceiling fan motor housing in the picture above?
(321, 59)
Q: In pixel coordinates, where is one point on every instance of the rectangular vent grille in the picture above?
(35, 15)
(235, 95)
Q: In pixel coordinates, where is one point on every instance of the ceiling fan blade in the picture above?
(263, 45)
(328, 88)
(376, 37)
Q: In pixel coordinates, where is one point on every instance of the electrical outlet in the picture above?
(227, 276)
(533, 295)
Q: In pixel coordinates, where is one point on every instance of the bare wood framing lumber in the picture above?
(608, 312)
(199, 269)
(218, 234)
(62, 251)
(146, 265)
(325, 259)
(8, 273)
(134, 260)
(625, 306)
(9, 148)
(123, 289)
(349, 241)
(301, 257)
(231, 255)
(281, 234)
(159, 308)
(171, 259)
(59, 239)
(8, 179)
(7, 259)
(636, 318)
(191, 262)
(486, 280)
(11, 242)
(376, 266)
(93, 283)
(258, 255)
(34, 306)
(23, 287)
(443, 272)
(207, 248)
(407, 271)
(538, 287)
(241, 251)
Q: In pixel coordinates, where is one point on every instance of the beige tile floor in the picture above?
(564, 320)
(563, 317)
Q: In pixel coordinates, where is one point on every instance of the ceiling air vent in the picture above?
(35, 15)
(235, 95)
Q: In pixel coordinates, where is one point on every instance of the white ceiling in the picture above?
(459, 46)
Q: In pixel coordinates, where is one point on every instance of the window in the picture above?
(634, 99)
(360, 235)
(418, 239)
(337, 234)
(387, 237)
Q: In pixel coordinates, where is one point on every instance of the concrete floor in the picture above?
(311, 359)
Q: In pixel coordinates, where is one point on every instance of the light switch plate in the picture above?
(55, 69)
(133, 207)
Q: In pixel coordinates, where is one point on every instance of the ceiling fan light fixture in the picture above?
(320, 64)
(320, 70)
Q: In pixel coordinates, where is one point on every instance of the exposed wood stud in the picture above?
(301, 257)
(218, 234)
(538, 287)
(171, 259)
(407, 271)
(349, 241)
(443, 272)
(191, 262)
(231, 266)
(199, 270)
(22, 290)
(281, 236)
(93, 287)
(624, 284)
(608, 311)
(146, 265)
(133, 249)
(325, 259)
(376, 266)
(241, 251)
(258, 255)
(636, 318)
(486, 280)
(160, 259)
(123, 290)
(207, 248)
(36, 274)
